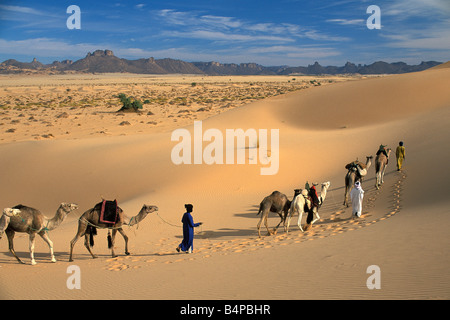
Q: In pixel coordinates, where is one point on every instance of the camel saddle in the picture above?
(109, 211)
(357, 166)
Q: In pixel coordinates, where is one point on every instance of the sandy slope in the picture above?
(404, 228)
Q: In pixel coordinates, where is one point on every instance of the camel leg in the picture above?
(377, 180)
(45, 237)
(267, 224)
(81, 230)
(286, 227)
(88, 246)
(263, 216)
(316, 213)
(32, 240)
(259, 226)
(345, 196)
(299, 222)
(10, 235)
(125, 237)
(278, 225)
(382, 174)
(72, 244)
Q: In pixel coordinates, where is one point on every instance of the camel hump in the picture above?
(23, 208)
(20, 207)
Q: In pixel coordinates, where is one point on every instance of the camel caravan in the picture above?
(108, 215)
(307, 201)
(104, 215)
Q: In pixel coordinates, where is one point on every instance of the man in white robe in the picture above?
(356, 196)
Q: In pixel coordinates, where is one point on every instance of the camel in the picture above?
(89, 221)
(381, 162)
(275, 202)
(298, 206)
(354, 174)
(6, 217)
(32, 221)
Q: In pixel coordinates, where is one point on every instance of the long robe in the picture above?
(400, 153)
(188, 232)
(356, 196)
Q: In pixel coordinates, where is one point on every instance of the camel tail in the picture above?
(92, 232)
(260, 209)
(91, 240)
(109, 241)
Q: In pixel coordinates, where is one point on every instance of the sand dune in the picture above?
(403, 229)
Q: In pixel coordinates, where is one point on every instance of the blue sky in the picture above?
(281, 32)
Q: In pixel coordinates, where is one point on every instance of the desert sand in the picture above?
(57, 149)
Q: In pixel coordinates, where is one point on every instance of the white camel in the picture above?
(32, 221)
(298, 206)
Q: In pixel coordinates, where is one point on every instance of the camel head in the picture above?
(146, 209)
(326, 185)
(11, 212)
(149, 209)
(68, 207)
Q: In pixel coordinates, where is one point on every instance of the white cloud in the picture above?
(298, 52)
(403, 9)
(428, 29)
(434, 41)
(221, 36)
(19, 9)
(209, 27)
(348, 21)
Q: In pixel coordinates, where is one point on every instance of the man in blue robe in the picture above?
(187, 245)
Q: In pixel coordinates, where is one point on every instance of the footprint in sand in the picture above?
(334, 225)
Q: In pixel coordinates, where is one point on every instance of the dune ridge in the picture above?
(319, 133)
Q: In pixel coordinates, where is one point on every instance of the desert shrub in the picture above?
(128, 104)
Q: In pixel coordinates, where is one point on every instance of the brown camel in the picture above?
(276, 202)
(381, 162)
(90, 220)
(32, 221)
(355, 174)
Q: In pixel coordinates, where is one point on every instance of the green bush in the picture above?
(128, 104)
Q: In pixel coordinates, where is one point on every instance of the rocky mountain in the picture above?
(216, 68)
(104, 61)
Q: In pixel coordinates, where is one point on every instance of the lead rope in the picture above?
(170, 224)
(178, 226)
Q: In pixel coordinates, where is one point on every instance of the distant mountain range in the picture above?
(104, 61)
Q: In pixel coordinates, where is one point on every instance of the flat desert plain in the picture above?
(61, 140)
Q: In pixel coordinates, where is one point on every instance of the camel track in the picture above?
(335, 220)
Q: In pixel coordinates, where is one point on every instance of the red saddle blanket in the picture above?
(109, 211)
